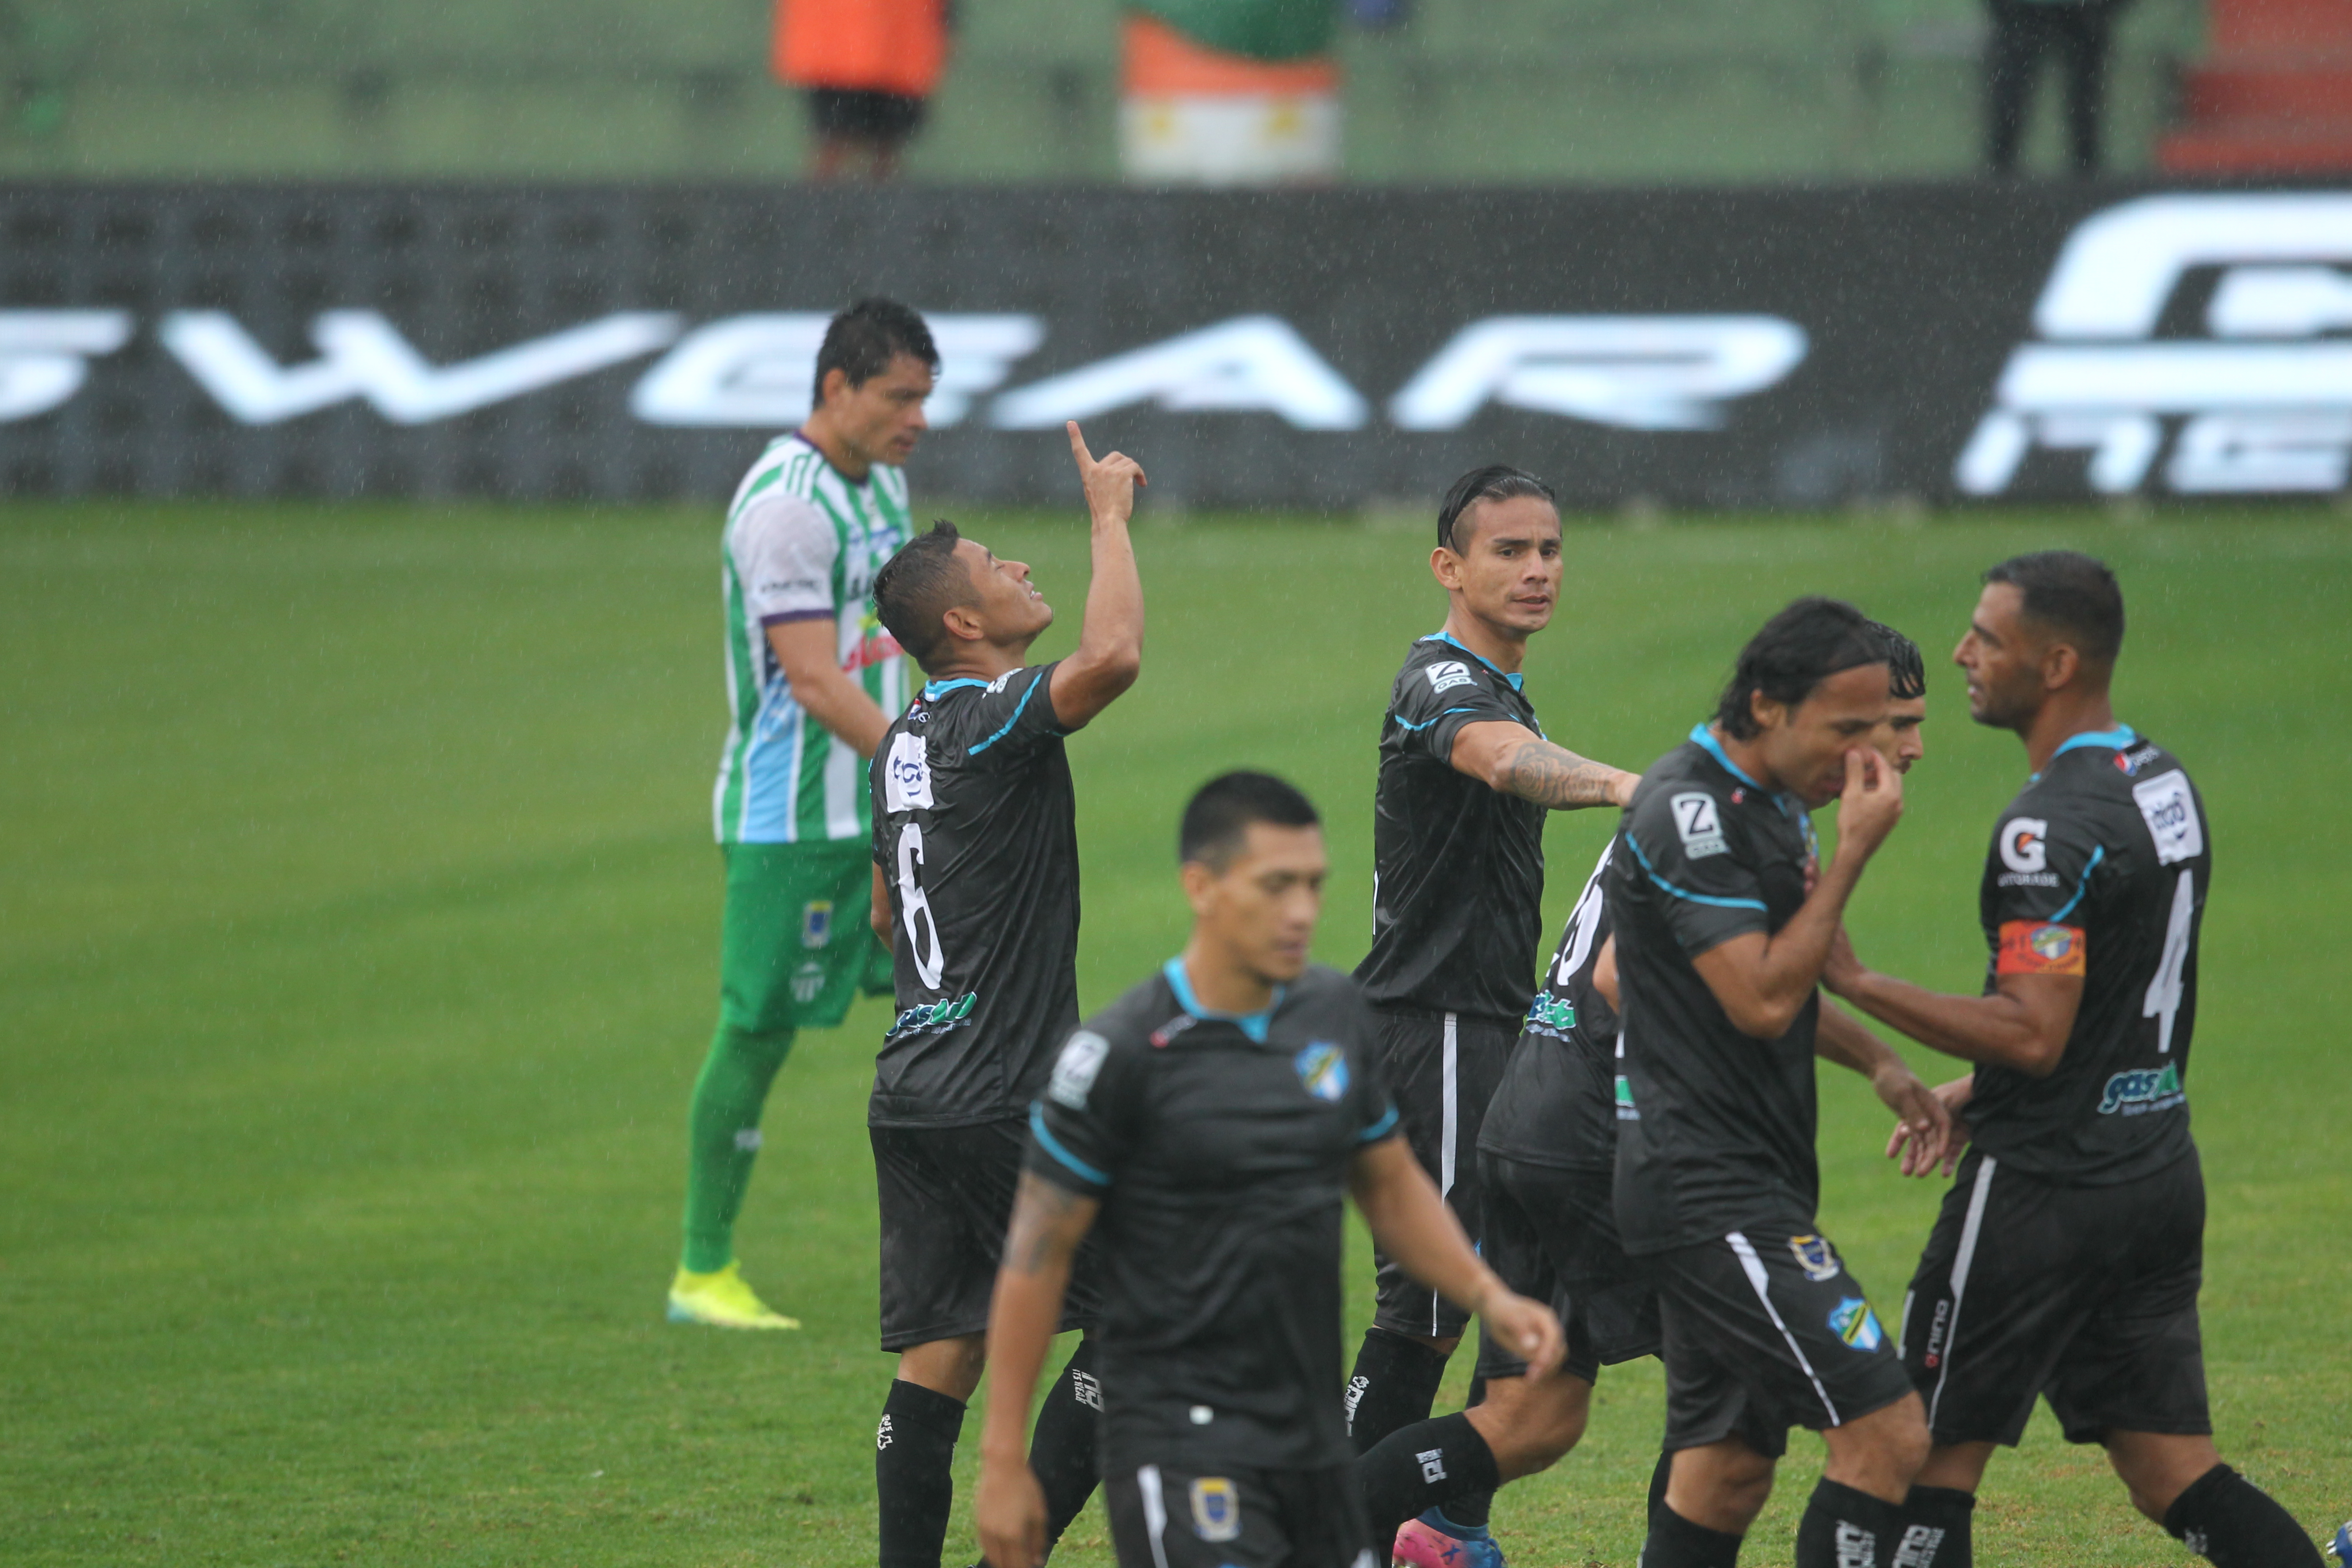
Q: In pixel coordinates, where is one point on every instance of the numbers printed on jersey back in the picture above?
(915, 910)
(2164, 992)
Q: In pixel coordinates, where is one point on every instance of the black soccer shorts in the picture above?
(1764, 1329)
(946, 1199)
(1442, 1069)
(1551, 1236)
(1177, 1517)
(2087, 1295)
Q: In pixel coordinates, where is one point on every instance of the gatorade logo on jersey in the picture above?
(1216, 1509)
(2143, 1089)
(1852, 1321)
(1323, 1069)
(2040, 947)
(2024, 845)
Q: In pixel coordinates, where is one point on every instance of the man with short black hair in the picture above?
(975, 870)
(1210, 1121)
(1907, 700)
(2067, 1260)
(1466, 777)
(812, 683)
(1725, 916)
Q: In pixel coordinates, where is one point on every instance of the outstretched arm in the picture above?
(1110, 639)
(1925, 1118)
(1413, 1224)
(1048, 1223)
(1514, 759)
(2023, 1023)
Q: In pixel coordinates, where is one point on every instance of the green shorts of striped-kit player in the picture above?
(794, 952)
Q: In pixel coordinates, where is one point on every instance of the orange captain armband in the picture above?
(2039, 947)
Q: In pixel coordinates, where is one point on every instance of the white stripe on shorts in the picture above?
(1452, 1109)
(1155, 1512)
(1970, 1228)
(1754, 1266)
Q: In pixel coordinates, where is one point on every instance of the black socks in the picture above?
(2234, 1523)
(1394, 1383)
(914, 1451)
(1935, 1530)
(1844, 1528)
(1675, 1542)
(1420, 1466)
(1062, 1446)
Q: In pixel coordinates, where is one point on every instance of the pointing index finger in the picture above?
(1079, 446)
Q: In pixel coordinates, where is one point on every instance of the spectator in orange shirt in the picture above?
(869, 66)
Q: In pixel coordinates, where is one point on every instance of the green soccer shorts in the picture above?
(794, 945)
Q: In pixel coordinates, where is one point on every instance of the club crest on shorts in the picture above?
(816, 922)
(1323, 1068)
(1815, 1257)
(1853, 1322)
(1216, 1509)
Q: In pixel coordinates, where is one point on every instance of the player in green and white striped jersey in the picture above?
(812, 682)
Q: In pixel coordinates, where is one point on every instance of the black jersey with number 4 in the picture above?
(2099, 868)
(1715, 1130)
(1457, 895)
(1557, 1103)
(1220, 1149)
(975, 829)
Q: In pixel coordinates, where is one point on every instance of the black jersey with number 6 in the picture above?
(1716, 1130)
(1457, 891)
(975, 829)
(1220, 1148)
(1557, 1103)
(2098, 869)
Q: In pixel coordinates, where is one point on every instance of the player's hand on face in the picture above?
(1872, 802)
(1009, 1508)
(1529, 1328)
(1923, 1127)
(1109, 481)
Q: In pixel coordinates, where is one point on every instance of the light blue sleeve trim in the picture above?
(1053, 1145)
(2082, 887)
(1378, 1130)
(1425, 724)
(1635, 845)
(1027, 692)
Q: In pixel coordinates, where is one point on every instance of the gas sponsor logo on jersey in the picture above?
(1074, 1069)
(1551, 1015)
(1696, 819)
(1626, 1111)
(2190, 341)
(1816, 1257)
(907, 775)
(2143, 1089)
(935, 1017)
(1852, 1321)
(1323, 1068)
(2169, 808)
(1216, 1509)
(1447, 675)
(2041, 947)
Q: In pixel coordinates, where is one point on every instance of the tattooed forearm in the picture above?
(1047, 1223)
(1554, 777)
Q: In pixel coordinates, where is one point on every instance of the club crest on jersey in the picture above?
(1696, 820)
(1446, 675)
(2040, 947)
(1216, 1509)
(816, 922)
(1323, 1068)
(1074, 1072)
(1852, 1321)
(1815, 1255)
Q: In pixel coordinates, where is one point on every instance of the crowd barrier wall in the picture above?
(1789, 348)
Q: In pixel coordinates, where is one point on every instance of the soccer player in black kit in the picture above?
(976, 877)
(1725, 916)
(2066, 1262)
(1204, 1128)
(1466, 777)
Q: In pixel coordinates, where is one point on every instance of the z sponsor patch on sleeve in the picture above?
(2040, 947)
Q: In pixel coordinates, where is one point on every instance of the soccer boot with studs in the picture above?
(721, 1301)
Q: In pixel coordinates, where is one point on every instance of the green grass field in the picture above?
(358, 938)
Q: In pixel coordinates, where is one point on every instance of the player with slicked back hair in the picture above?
(1907, 692)
(2068, 1257)
(1466, 777)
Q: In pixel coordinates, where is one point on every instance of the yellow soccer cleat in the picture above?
(721, 1301)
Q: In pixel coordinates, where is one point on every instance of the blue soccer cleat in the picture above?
(2341, 1547)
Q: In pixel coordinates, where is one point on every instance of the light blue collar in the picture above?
(1703, 736)
(935, 689)
(2116, 739)
(1254, 1024)
(1442, 635)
